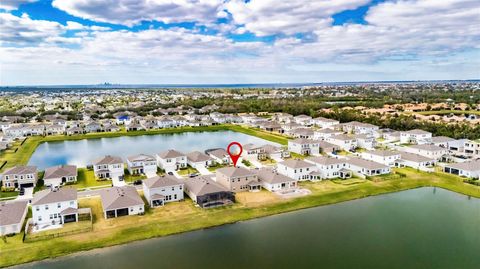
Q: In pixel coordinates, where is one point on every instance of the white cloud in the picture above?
(131, 12)
(23, 30)
(269, 17)
(13, 4)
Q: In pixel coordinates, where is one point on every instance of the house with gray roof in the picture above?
(54, 207)
(304, 146)
(238, 179)
(366, 167)
(298, 169)
(220, 156)
(274, 181)
(171, 160)
(197, 158)
(59, 175)
(20, 177)
(162, 189)
(416, 161)
(470, 169)
(207, 193)
(108, 167)
(427, 150)
(142, 164)
(386, 157)
(329, 168)
(12, 216)
(121, 201)
(415, 136)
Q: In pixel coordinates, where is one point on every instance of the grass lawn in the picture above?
(443, 112)
(183, 216)
(6, 194)
(268, 162)
(187, 171)
(86, 179)
(68, 228)
(213, 168)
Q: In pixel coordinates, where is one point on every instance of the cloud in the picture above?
(131, 12)
(23, 30)
(13, 4)
(269, 17)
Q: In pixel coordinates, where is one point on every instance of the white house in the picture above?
(108, 167)
(162, 189)
(12, 216)
(416, 161)
(54, 206)
(59, 175)
(385, 157)
(470, 169)
(274, 181)
(219, 156)
(171, 160)
(442, 141)
(197, 158)
(325, 123)
(345, 142)
(20, 177)
(297, 169)
(303, 120)
(356, 127)
(415, 136)
(365, 141)
(329, 168)
(472, 148)
(304, 146)
(323, 134)
(142, 164)
(427, 150)
(366, 167)
(121, 201)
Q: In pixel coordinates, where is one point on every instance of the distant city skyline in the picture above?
(87, 42)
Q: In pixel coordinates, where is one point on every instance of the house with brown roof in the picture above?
(207, 193)
(238, 179)
(20, 177)
(219, 156)
(59, 175)
(54, 207)
(12, 216)
(171, 160)
(274, 181)
(162, 189)
(121, 201)
(108, 167)
(197, 158)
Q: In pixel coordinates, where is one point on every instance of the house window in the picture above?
(175, 196)
(37, 208)
(39, 218)
(59, 205)
(72, 202)
(46, 207)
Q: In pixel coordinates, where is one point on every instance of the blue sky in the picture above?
(235, 41)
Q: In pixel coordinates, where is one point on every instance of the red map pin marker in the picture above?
(232, 156)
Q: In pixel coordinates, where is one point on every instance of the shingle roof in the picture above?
(21, 170)
(366, 163)
(203, 185)
(12, 212)
(108, 159)
(427, 147)
(140, 157)
(416, 132)
(197, 156)
(54, 196)
(235, 171)
(473, 165)
(302, 141)
(268, 175)
(60, 171)
(161, 181)
(415, 157)
(296, 164)
(219, 153)
(325, 160)
(383, 153)
(170, 154)
(120, 197)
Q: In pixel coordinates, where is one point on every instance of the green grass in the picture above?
(216, 166)
(86, 179)
(247, 163)
(187, 171)
(8, 194)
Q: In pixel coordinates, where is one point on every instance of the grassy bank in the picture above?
(448, 112)
(158, 222)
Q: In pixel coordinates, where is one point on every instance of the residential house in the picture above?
(366, 167)
(274, 181)
(54, 206)
(470, 169)
(219, 156)
(325, 123)
(121, 201)
(162, 189)
(415, 136)
(93, 127)
(345, 142)
(326, 147)
(329, 168)
(472, 149)
(74, 130)
(385, 157)
(356, 127)
(365, 141)
(142, 164)
(298, 170)
(171, 160)
(198, 159)
(237, 179)
(323, 134)
(306, 133)
(442, 141)
(12, 216)
(304, 146)
(416, 161)
(303, 120)
(59, 175)
(427, 150)
(207, 193)
(54, 129)
(20, 177)
(108, 167)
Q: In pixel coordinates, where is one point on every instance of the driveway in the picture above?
(203, 170)
(117, 182)
(27, 196)
(255, 162)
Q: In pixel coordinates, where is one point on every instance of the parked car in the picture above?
(193, 175)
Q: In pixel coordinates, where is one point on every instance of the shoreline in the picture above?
(106, 247)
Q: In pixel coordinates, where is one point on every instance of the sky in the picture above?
(72, 42)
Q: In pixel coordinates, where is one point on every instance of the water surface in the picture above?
(423, 228)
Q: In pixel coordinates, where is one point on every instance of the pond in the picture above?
(83, 152)
(421, 228)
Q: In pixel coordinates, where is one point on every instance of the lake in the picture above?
(421, 228)
(83, 152)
